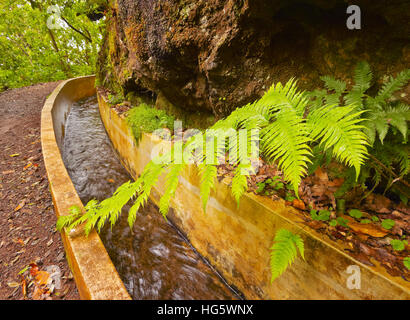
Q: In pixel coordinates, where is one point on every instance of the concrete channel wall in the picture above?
(94, 273)
(236, 241)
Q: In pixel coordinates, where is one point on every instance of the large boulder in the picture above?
(211, 56)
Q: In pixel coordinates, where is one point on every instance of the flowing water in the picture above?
(154, 261)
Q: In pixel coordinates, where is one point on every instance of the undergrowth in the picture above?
(386, 126)
(144, 118)
(293, 129)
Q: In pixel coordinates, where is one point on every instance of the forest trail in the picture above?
(27, 218)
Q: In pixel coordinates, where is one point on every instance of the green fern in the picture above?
(285, 138)
(240, 181)
(392, 86)
(362, 79)
(384, 119)
(284, 251)
(338, 128)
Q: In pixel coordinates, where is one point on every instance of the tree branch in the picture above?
(77, 30)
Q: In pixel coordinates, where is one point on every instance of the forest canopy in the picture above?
(43, 41)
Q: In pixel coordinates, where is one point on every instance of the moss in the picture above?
(115, 99)
(147, 119)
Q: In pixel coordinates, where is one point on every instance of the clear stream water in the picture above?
(155, 261)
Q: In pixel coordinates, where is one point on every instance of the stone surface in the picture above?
(213, 55)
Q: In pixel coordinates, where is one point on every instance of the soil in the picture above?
(27, 218)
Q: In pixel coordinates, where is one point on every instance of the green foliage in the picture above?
(115, 99)
(406, 262)
(144, 118)
(398, 245)
(284, 251)
(322, 215)
(354, 213)
(275, 183)
(30, 52)
(342, 222)
(285, 137)
(365, 221)
(385, 118)
(333, 223)
(239, 181)
(388, 224)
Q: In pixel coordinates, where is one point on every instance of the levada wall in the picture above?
(94, 273)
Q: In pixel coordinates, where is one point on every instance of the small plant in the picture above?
(388, 224)
(406, 262)
(323, 215)
(275, 183)
(284, 251)
(354, 213)
(342, 222)
(398, 245)
(386, 119)
(375, 219)
(365, 221)
(333, 223)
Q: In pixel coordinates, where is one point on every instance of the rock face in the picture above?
(211, 56)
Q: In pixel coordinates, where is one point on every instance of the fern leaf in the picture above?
(363, 77)
(339, 128)
(208, 173)
(393, 85)
(331, 83)
(240, 182)
(170, 188)
(284, 251)
(286, 141)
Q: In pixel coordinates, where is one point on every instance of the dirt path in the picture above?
(27, 218)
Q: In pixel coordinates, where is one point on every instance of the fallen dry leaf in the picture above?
(21, 205)
(42, 278)
(298, 204)
(37, 293)
(368, 229)
(33, 269)
(13, 284)
(321, 175)
(24, 287)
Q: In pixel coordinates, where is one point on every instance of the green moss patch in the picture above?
(147, 119)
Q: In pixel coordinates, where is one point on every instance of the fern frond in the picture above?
(393, 85)
(362, 77)
(170, 188)
(339, 128)
(208, 175)
(286, 141)
(380, 121)
(284, 251)
(331, 83)
(278, 96)
(240, 181)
